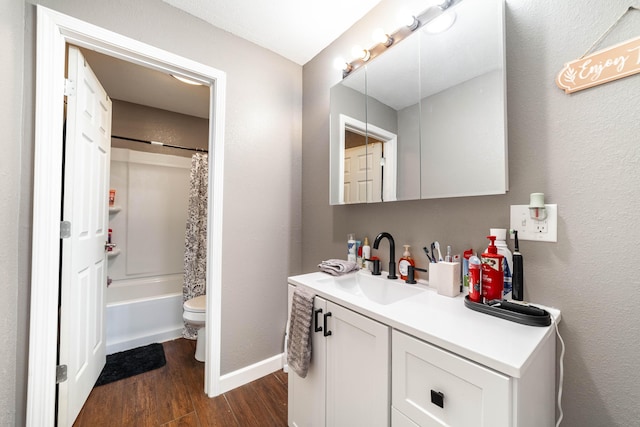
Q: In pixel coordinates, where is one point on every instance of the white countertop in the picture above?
(499, 344)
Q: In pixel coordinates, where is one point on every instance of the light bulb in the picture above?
(441, 23)
(186, 80)
(340, 64)
(360, 53)
(404, 18)
(407, 19)
(380, 36)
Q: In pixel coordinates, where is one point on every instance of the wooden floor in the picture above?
(173, 396)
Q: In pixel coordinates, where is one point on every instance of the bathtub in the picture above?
(143, 311)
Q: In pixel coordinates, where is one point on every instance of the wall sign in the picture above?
(601, 67)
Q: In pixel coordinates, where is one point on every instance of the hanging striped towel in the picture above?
(299, 340)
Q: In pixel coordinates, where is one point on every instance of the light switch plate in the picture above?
(530, 229)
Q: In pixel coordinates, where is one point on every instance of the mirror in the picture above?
(393, 104)
(348, 134)
(463, 104)
(430, 113)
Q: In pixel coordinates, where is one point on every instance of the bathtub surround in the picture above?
(153, 193)
(144, 301)
(195, 239)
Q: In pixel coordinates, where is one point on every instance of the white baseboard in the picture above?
(250, 373)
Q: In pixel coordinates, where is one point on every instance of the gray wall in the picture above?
(472, 162)
(262, 176)
(153, 124)
(13, 348)
(581, 150)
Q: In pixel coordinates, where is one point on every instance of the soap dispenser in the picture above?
(366, 254)
(492, 272)
(351, 247)
(405, 262)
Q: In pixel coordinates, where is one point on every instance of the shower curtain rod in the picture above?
(161, 144)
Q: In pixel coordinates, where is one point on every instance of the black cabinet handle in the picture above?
(326, 331)
(437, 398)
(315, 320)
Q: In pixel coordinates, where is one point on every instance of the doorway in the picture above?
(54, 31)
(380, 175)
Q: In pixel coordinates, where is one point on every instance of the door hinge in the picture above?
(69, 87)
(61, 373)
(65, 229)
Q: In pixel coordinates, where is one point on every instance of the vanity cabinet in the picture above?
(434, 387)
(348, 379)
(422, 361)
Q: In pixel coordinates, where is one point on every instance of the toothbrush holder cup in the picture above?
(445, 277)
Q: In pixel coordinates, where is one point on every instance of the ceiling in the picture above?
(295, 29)
(276, 25)
(133, 83)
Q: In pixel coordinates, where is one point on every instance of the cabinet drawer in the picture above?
(398, 419)
(436, 388)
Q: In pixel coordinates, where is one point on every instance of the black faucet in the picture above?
(392, 252)
(411, 274)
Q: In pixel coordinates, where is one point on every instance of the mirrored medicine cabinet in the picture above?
(427, 118)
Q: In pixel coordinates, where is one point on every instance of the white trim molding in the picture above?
(390, 141)
(54, 30)
(251, 373)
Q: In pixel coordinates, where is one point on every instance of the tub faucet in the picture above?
(392, 252)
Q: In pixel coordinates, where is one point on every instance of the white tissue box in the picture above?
(445, 277)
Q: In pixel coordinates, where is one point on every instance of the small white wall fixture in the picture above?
(54, 30)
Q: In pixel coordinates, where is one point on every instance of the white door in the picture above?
(84, 262)
(363, 173)
(358, 362)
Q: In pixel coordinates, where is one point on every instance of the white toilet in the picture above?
(195, 315)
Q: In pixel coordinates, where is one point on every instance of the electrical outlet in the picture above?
(531, 229)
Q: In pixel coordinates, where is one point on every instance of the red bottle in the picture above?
(475, 289)
(492, 272)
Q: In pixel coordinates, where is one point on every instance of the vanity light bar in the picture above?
(364, 55)
(381, 37)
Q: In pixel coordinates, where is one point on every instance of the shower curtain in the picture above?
(195, 242)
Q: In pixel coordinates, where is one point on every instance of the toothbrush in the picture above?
(518, 271)
(440, 259)
(426, 251)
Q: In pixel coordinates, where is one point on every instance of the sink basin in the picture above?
(378, 289)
